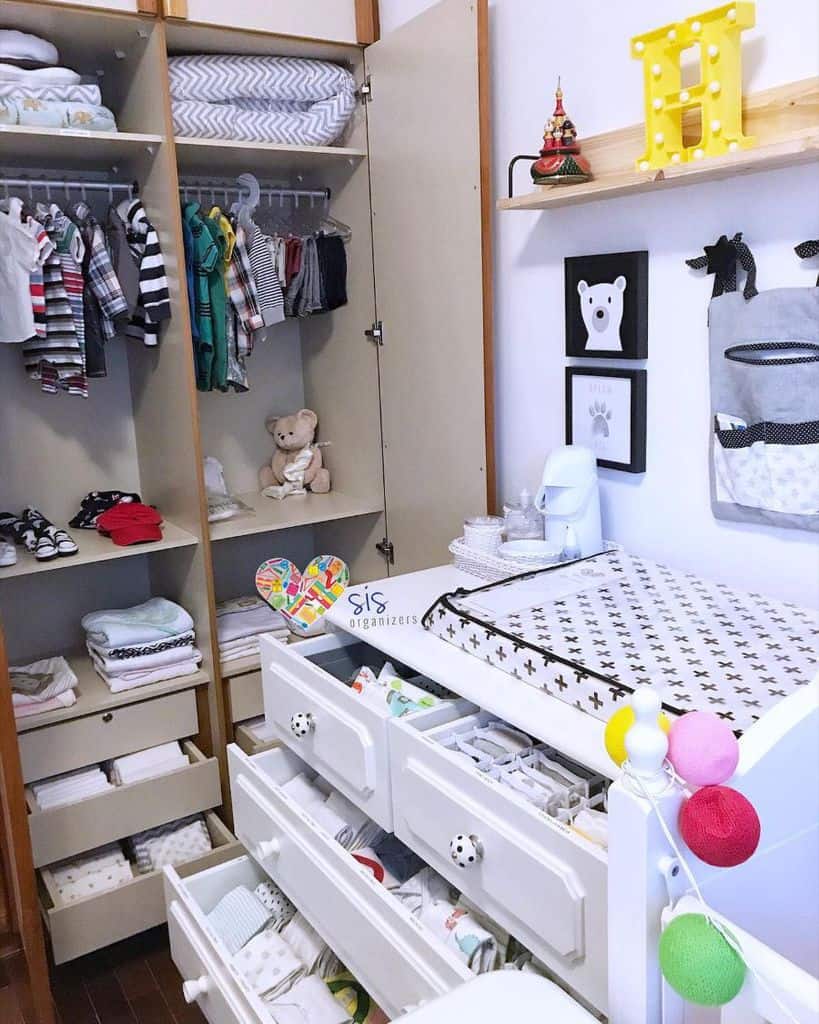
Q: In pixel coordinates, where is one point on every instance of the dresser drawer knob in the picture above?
(192, 990)
(466, 850)
(108, 717)
(302, 724)
(268, 848)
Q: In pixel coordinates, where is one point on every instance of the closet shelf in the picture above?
(241, 666)
(48, 149)
(96, 548)
(782, 119)
(93, 694)
(206, 156)
(296, 510)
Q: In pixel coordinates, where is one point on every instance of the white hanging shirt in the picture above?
(19, 260)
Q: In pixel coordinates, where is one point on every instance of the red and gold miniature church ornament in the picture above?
(560, 159)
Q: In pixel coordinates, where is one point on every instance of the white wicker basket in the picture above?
(494, 567)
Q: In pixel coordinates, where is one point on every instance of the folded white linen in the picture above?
(24, 89)
(333, 824)
(155, 619)
(82, 791)
(174, 843)
(83, 864)
(268, 964)
(365, 831)
(310, 948)
(260, 730)
(118, 666)
(118, 652)
(242, 644)
(237, 917)
(18, 45)
(146, 764)
(102, 881)
(62, 700)
(422, 889)
(38, 76)
(303, 792)
(309, 1001)
(246, 616)
(90, 873)
(131, 680)
(58, 782)
(41, 680)
(457, 929)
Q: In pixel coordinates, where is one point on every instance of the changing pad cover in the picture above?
(590, 632)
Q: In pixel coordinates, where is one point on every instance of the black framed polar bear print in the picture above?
(607, 305)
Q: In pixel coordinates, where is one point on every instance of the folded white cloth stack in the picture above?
(148, 764)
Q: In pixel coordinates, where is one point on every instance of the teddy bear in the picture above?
(297, 464)
(602, 309)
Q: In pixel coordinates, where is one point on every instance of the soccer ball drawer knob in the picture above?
(302, 724)
(466, 851)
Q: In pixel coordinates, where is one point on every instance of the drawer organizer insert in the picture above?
(342, 732)
(514, 832)
(84, 824)
(87, 924)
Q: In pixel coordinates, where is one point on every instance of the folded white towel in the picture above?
(41, 680)
(131, 680)
(156, 619)
(102, 881)
(62, 700)
(246, 616)
(83, 864)
(70, 787)
(141, 663)
(303, 792)
(268, 964)
(90, 873)
(309, 1001)
(147, 764)
(260, 730)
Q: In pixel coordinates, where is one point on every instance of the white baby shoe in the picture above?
(8, 553)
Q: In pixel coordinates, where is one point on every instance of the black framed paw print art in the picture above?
(607, 305)
(606, 411)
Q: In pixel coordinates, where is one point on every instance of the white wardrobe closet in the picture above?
(403, 407)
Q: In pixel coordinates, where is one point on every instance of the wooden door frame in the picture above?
(367, 21)
(22, 881)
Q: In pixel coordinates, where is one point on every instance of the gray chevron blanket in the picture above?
(260, 99)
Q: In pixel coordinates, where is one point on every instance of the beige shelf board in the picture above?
(49, 148)
(94, 696)
(783, 120)
(227, 156)
(96, 548)
(241, 666)
(296, 510)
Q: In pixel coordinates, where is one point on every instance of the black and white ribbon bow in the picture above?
(721, 260)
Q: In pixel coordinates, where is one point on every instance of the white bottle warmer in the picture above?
(569, 498)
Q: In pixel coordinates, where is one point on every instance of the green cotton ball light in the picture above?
(698, 963)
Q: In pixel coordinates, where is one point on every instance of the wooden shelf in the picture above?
(240, 666)
(227, 156)
(96, 548)
(784, 120)
(52, 149)
(93, 694)
(296, 510)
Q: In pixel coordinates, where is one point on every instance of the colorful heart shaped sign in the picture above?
(302, 598)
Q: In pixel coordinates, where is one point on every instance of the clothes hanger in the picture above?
(244, 207)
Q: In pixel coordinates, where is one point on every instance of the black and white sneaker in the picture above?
(63, 544)
(26, 535)
(8, 555)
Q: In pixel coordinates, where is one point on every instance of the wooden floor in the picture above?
(133, 982)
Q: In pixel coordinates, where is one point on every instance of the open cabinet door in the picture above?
(429, 219)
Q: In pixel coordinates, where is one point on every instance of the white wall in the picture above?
(664, 514)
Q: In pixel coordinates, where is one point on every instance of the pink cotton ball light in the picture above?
(703, 749)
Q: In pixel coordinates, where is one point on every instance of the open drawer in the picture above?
(310, 707)
(85, 925)
(534, 875)
(396, 959)
(86, 824)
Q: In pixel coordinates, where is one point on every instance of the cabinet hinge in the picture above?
(376, 332)
(366, 90)
(387, 549)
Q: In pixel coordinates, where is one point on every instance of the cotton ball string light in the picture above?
(699, 963)
(720, 826)
(617, 727)
(703, 749)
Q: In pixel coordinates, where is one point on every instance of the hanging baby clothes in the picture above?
(218, 305)
(332, 259)
(106, 309)
(153, 305)
(263, 267)
(71, 250)
(206, 264)
(20, 260)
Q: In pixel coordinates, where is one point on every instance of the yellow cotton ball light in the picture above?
(617, 727)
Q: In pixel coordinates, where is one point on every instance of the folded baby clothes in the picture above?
(310, 948)
(131, 680)
(303, 792)
(58, 114)
(148, 764)
(70, 787)
(592, 825)
(400, 696)
(62, 700)
(244, 617)
(20, 89)
(174, 843)
(365, 832)
(41, 680)
(399, 860)
(260, 730)
(332, 824)
(127, 655)
(309, 1001)
(36, 73)
(23, 46)
(142, 662)
(423, 889)
(91, 873)
(371, 862)
(280, 907)
(155, 619)
(456, 928)
(268, 964)
(355, 1000)
(237, 917)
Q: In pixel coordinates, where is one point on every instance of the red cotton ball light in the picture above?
(720, 826)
